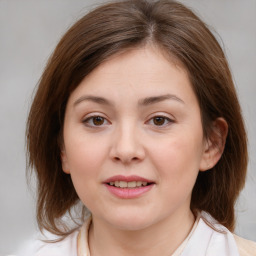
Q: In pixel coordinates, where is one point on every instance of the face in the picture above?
(133, 140)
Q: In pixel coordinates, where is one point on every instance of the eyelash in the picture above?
(88, 121)
(167, 120)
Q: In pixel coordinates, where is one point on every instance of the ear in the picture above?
(64, 161)
(215, 144)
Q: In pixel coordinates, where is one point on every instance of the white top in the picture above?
(203, 240)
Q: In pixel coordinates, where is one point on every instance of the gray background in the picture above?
(29, 31)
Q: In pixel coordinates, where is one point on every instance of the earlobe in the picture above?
(215, 144)
(64, 161)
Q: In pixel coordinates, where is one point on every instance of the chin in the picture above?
(130, 222)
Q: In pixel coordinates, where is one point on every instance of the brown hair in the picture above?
(107, 30)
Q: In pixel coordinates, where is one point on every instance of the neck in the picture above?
(162, 238)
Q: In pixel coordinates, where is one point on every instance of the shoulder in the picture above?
(38, 247)
(69, 246)
(245, 247)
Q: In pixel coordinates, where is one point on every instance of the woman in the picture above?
(136, 116)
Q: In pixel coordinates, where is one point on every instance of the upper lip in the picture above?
(127, 179)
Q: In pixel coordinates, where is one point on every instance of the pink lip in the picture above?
(128, 193)
(127, 179)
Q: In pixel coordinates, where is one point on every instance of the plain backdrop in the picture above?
(29, 31)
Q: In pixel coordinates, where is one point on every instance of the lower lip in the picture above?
(128, 193)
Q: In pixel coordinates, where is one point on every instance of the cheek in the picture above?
(81, 149)
(178, 159)
(84, 161)
(85, 156)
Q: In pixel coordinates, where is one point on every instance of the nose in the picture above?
(127, 146)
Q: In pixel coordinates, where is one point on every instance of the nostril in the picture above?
(125, 159)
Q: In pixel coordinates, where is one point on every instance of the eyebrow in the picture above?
(96, 99)
(156, 99)
(143, 102)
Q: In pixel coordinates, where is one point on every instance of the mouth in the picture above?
(132, 181)
(129, 184)
(128, 187)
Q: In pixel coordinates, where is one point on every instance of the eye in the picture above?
(160, 121)
(94, 121)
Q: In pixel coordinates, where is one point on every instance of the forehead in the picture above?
(144, 70)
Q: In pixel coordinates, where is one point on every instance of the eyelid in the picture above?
(161, 114)
(90, 116)
(167, 117)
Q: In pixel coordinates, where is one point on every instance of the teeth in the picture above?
(139, 183)
(122, 184)
(130, 184)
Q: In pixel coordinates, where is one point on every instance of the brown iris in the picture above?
(159, 120)
(98, 120)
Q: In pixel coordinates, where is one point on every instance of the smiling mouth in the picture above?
(130, 184)
(128, 187)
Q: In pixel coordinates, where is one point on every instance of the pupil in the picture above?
(98, 120)
(159, 120)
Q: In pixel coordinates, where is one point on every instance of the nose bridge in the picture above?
(127, 145)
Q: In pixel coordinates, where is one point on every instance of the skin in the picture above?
(129, 139)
